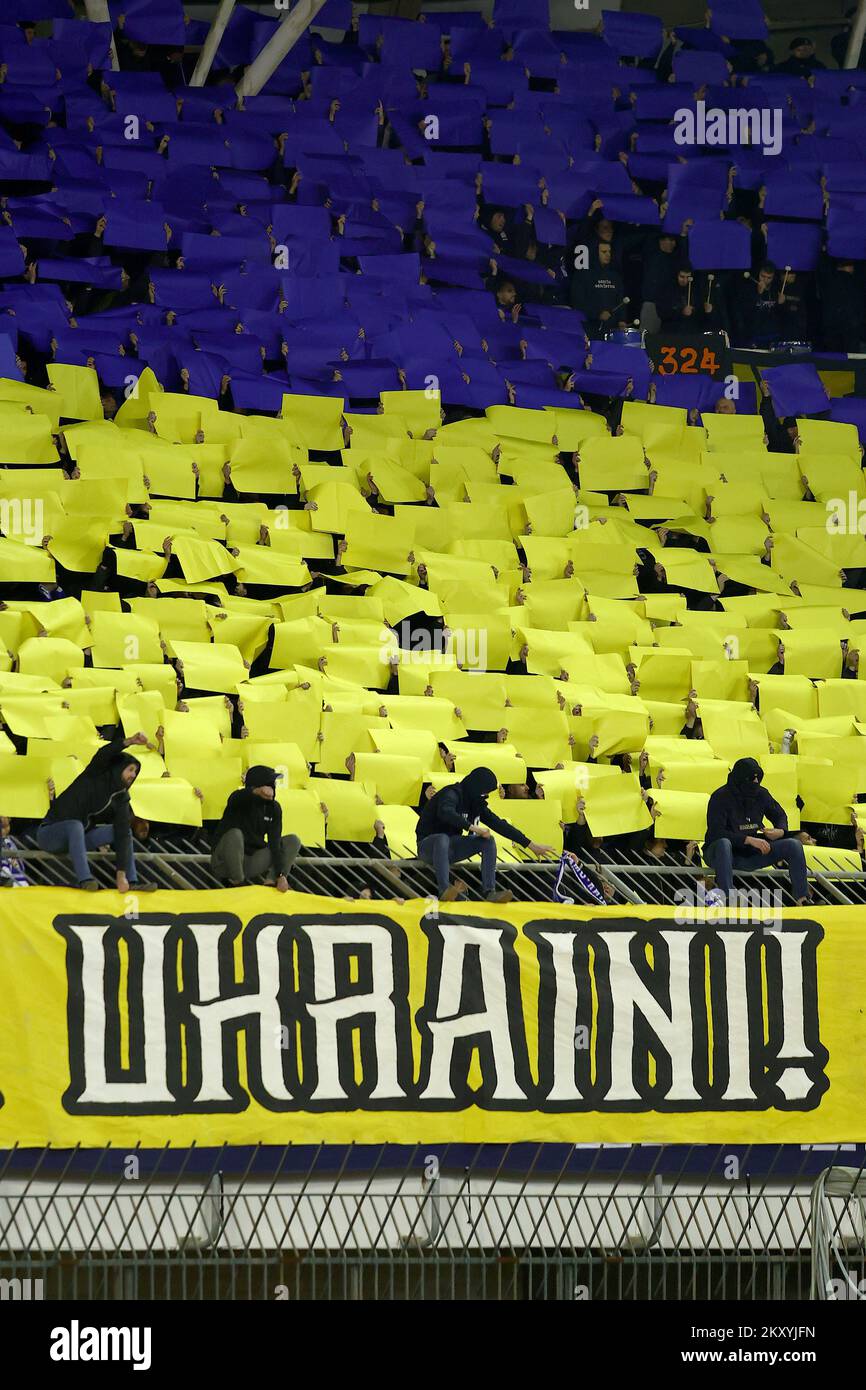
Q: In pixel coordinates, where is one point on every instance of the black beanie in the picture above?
(260, 776)
(479, 782)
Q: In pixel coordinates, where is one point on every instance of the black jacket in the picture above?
(660, 273)
(670, 306)
(596, 289)
(260, 821)
(801, 67)
(453, 809)
(756, 313)
(740, 807)
(97, 790)
(794, 314)
(841, 310)
(778, 439)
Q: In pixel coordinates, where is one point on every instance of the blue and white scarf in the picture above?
(569, 865)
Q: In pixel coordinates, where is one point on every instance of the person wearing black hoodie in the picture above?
(102, 788)
(463, 807)
(842, 305)
(249, 840)
(756, 310)
(737, 837)
(599, 292)
(662, 260)
(677, 307)
(802, 61)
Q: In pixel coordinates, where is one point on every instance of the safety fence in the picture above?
(535, 1222)
(353, 870)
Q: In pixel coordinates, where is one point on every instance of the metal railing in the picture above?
(512, 1222)
(350, 869)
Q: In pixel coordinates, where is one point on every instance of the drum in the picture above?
(624, 337)
(793, 349)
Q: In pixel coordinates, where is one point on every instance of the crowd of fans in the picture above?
(516, 182)
(461, 210)
(765, 307)
(246, 835)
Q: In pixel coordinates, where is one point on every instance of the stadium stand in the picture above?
(460, 406)
(330, 442)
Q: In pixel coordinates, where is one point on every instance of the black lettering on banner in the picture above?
(182, 1029)
(675, 1015)
(652, 1064)
(586, 957)
(363, 1023)
(794, 1080)
(113, 930)
(441, 931)
(711, 1041)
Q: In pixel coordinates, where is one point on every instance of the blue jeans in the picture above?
(444, 850)
(721, 858)
(70, 837)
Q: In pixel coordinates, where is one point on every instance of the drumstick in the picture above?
(620, 305)
(710, 279)
(689, 296)
(785, 279)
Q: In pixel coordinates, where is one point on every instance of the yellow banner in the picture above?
(246, 1017)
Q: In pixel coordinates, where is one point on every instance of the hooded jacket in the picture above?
(594, 290)
(756, 312)
(453, 809)
(740, 808)
(841, 309)
(260, 821)
(97, 790)
(660, 271)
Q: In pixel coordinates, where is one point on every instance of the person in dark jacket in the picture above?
(737, 837)
(750, 56)
(695, 304)
(781, 431)
(249, 840)
(662, 260)
(599, 292)
(793, 307)
(101, 789)
(842, 306)
(710, 294)
(458, 808)
(802, 61)
(677, 307)
(756, 311)
(839, 42)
